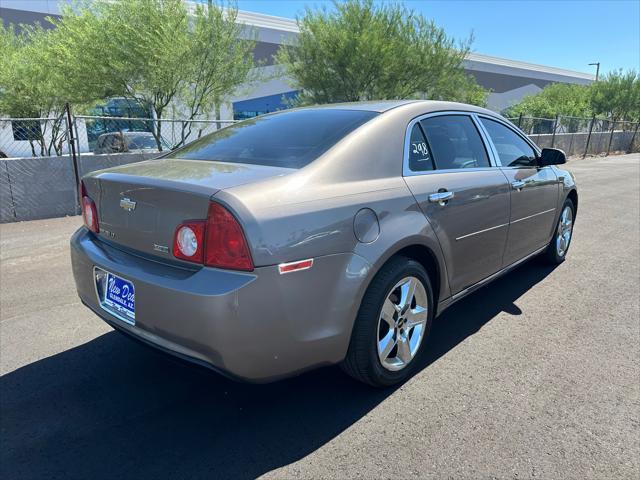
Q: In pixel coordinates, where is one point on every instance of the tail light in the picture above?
(89, 211)
(225, 245)
(216, 242)
(188, 242)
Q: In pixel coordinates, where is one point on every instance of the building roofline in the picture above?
(288, 26)
(505, 62)
(268, 21)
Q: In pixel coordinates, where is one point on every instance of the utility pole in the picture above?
(597, 64)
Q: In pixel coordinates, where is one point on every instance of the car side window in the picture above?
(512, 149)
(455, 142)
(419, 155)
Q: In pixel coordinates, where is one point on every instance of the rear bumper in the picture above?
(258, 326)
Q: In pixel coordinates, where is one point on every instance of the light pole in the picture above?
(597, 64)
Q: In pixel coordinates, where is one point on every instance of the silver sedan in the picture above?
(316, 236)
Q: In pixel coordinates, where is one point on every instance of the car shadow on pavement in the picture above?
(113, 409)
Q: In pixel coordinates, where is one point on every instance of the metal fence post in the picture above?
(77, 135)
(555, 126)
(586, 147)
(74, 157)
(633, 138)
(570, 150)
(520, 120)
(613, 127)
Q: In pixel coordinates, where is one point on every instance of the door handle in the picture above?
(518, 184)
(441, 198)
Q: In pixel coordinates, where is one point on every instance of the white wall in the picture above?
(499, 101)
(22, 148)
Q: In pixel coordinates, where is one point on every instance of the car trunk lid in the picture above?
(140, 205)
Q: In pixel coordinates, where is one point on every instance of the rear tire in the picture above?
(557, 250)
(392, 325)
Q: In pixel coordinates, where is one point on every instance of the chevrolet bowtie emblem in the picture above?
(128, 204)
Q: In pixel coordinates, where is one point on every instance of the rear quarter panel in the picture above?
(318, 220)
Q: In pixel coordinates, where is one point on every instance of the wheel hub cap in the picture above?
(565, 228)
(402, 323)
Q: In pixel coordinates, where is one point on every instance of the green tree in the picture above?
(617, 96)
(29, 87)
(555, 99)
(216, 72)
(154, 52)
(364, 51)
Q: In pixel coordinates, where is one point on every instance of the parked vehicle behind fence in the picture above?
(317, 236)
(121, 142)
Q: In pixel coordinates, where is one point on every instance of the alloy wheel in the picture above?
(565, 228)
(402, 323)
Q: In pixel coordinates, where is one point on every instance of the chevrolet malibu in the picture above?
(317, 236)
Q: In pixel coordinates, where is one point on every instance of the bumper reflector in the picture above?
(295, 266)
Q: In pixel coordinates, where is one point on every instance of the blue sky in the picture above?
(566, 34)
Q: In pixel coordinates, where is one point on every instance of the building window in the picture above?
(261, 105)
(26, 130)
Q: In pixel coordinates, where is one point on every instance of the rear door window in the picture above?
(454, 142)
(289, 139)
(419, 154)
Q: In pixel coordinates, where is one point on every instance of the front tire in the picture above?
(557, 250)
(392, 325)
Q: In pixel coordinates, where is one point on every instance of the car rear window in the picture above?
(290, 139)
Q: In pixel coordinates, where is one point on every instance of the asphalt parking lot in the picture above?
(535, 376)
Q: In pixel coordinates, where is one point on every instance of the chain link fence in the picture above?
(43, 159)
(34, 137)
(48, 156)
(581, 136)
(51, 136)
(100, 134)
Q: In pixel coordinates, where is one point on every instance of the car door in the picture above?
(465, 198)
(108, 144)
(534, 190)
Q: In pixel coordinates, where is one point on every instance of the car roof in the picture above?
(372, 106)
(426, 106)
(133, 133)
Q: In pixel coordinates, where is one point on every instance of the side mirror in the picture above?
(551, 156)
